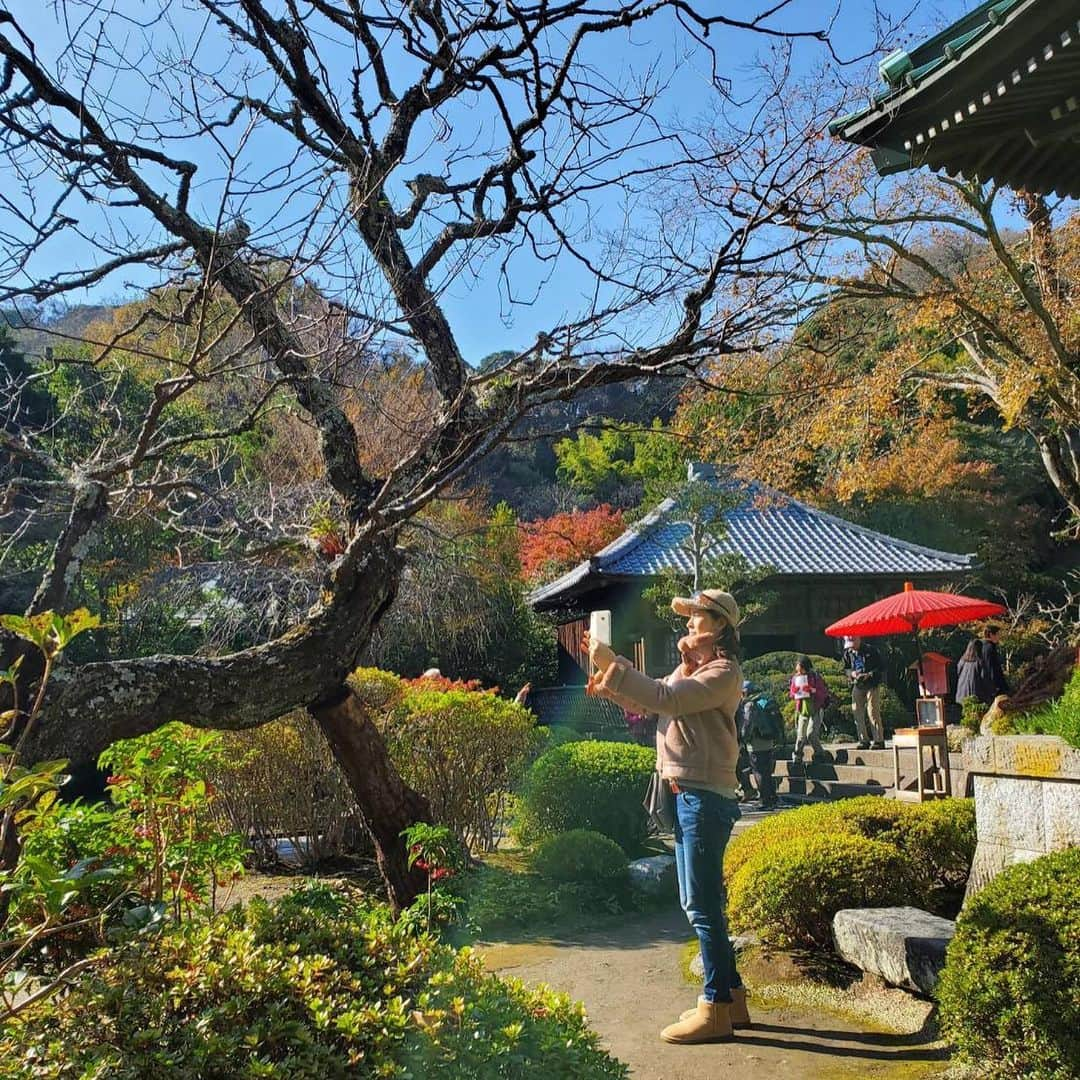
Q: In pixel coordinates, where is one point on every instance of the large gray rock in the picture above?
(904, 945)
(653, 875)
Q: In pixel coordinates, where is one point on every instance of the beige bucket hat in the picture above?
(714, 601)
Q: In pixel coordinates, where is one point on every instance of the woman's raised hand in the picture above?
(601, 654)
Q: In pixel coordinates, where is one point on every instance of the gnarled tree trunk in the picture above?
(88, 708)
(387, 804)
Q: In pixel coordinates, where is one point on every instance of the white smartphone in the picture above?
(600, 626)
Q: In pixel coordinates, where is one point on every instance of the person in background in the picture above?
(743, 770)
(811, 694)
(697, 746)
(992, 665)
(864, 668)
(760, 727)
(971, 679)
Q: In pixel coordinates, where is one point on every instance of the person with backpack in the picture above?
(761, 727)
(748, 793)
(811, 695)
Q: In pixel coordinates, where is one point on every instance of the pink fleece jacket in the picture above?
(696, 736)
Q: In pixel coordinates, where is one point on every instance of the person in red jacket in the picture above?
(811, 695)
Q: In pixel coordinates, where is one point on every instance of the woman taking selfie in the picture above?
(697, 748)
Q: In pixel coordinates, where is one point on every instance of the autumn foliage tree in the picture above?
(556, 544)
(983, 313)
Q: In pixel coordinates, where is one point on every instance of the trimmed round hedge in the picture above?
(587, 785)
(315, 986)
(934, 841)
(788, 895)
(1010, 991)
(938, 837)
(581, 856)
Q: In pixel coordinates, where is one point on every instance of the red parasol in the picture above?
(911, 611)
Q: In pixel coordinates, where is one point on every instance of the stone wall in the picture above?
(1027, 800)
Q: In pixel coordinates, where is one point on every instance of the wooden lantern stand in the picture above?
(929, 734)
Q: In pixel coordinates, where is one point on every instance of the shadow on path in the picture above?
(628, 976)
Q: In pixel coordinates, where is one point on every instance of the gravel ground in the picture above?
(630, 979)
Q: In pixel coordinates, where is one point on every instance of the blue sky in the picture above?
(483, 316)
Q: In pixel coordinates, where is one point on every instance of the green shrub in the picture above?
(587, 785)
(972, 712)
(939, 839)
(775, 831)
(560, 734)
(936, 839)
(788, 895)
(157, 849)
(498, 899)
(464, 749)
(316, 986)
(581, 856)
(869, 816)
(1010, 991)
(174, 847)
(315, 811)
(1061, 717)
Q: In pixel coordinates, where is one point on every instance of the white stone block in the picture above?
(1009, 810)
(1061, 814)
(653, 875)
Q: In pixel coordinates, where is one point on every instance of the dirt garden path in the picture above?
(631, 982)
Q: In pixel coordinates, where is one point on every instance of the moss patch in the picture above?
(778, 980)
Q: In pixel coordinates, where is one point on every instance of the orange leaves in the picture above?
(556, 544)
(933, 311)
(928, 463)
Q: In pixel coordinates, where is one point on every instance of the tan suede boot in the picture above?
(709, 1022)
(740, 1014)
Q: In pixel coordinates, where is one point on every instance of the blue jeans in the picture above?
(703, 824)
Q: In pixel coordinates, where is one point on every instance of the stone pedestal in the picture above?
(1027, 800)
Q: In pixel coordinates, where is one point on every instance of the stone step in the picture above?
(819, 787)
(848, 774)
(791, 799)
(827, 789)
(852, 772)
(849, 754)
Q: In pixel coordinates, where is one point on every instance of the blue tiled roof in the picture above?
(768, 529)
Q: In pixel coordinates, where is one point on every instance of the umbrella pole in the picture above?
(920, 686)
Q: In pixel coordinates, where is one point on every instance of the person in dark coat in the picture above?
(992, 665)
(971, 679)
(864, 668)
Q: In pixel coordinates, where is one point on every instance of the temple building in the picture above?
(994, 97)
(822, 568)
